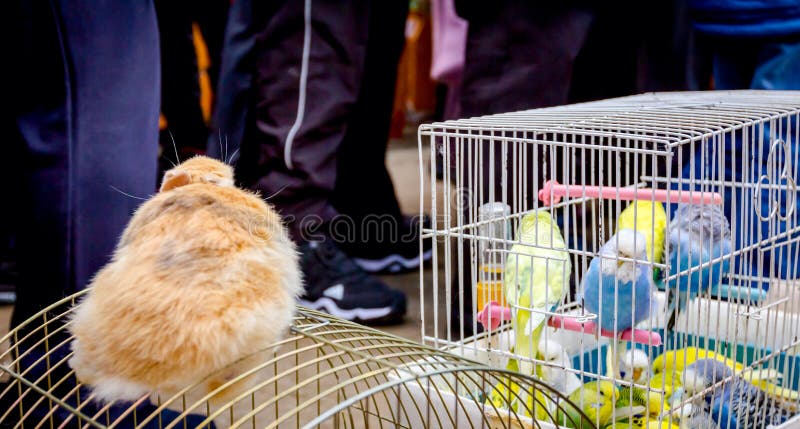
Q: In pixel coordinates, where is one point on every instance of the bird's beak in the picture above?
(624, 255)
(636, 374)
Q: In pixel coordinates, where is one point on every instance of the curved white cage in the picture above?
(584, 165)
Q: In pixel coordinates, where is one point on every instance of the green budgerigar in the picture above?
(506, 394)
(651, 402)
(596, 399)
(536, 277)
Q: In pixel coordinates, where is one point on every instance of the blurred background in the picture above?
(455, 58)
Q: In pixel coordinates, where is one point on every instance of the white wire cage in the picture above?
(586, 165)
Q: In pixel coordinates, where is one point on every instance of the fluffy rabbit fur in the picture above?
(201, 286)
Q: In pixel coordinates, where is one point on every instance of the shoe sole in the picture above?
(383, 315)
(392, 263)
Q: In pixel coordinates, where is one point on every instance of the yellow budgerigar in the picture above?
(649, 218)
(667, 381)
(536, 277)
(777, 392)
(668, 366)
(680, 358)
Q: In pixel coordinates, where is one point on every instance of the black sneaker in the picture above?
(394, 250)
(336, 285)
(8, 281)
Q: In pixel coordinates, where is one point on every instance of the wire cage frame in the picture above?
(326, 372)
(585, 165)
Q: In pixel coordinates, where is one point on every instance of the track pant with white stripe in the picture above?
(295, 78)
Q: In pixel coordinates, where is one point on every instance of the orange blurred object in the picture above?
(415, 91)
(203, 63)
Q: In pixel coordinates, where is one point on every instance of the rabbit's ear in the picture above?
(175, 179)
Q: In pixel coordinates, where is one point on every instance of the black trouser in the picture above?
(83, 131)
(363, 185)
(84, 128)
(334, 157)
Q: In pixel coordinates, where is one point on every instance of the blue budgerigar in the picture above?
(734, 404)
(620, 292)
(697, 235)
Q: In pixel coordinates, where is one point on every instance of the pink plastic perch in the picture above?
(493, 314)
(633, 335)
(552, 192)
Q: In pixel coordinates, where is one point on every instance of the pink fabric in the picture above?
(449, 46)
(449, 42)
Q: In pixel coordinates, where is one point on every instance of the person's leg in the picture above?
(520, 56)
(9, 222)
(180, 89)
(734, 62)
(39, 161)
(234, 92)
(82, 140)
(362, 154)
(756, 64)
(383, 239)
(305, 81)
(672, 57)
(615, 37)
(113, 122)
(85, 130)
(778, 68)
(211, 16)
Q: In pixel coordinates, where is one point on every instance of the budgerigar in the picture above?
(735, 403)
(643, 423)
(697, 235)
(668, 366)
(668, 380)
(536, 277)
(649, 218)
(596, 399)
(678, 359)
(635, 366)
(641, 400)
(694, 415)
(620, 292)
(558, 376)
(779, 393)
(506, 394)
